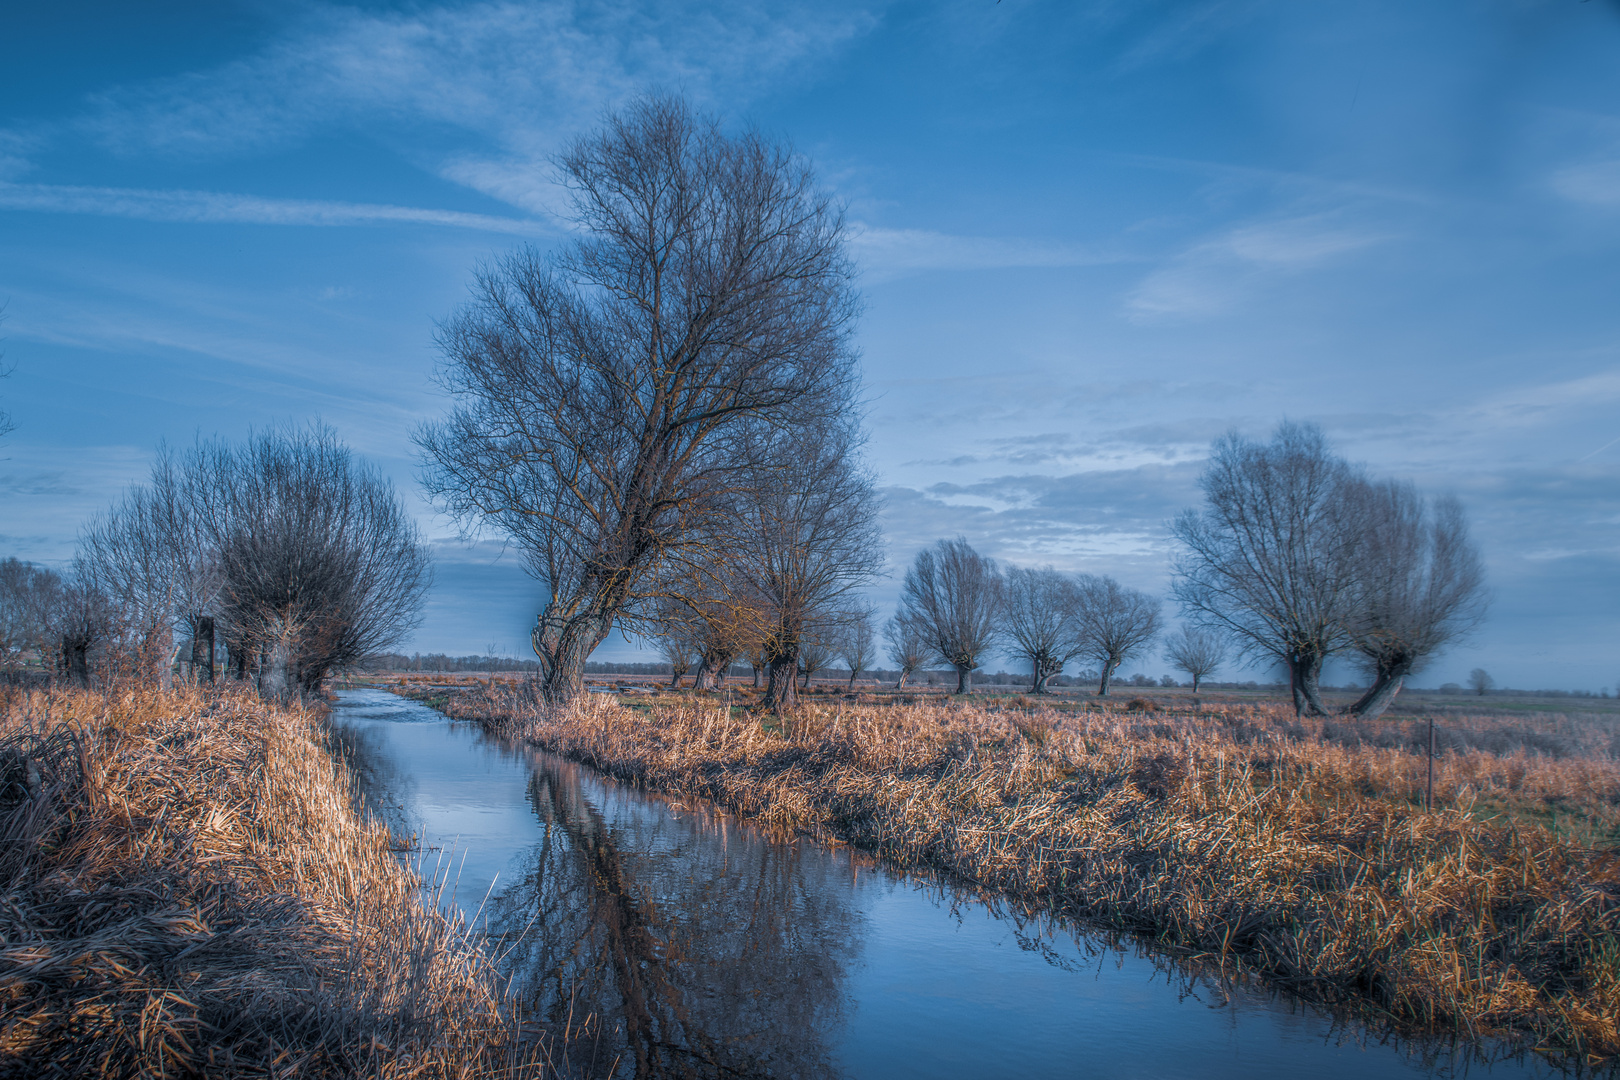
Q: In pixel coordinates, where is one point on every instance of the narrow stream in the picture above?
(706, 949)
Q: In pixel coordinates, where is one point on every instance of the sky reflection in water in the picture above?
(707, 949)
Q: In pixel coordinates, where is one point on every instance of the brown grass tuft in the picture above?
(187, 889)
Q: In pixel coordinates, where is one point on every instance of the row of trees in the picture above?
(957, 606)
(1299, 556)
(285, 550)
(1296, 557)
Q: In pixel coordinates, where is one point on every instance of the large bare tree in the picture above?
(1267, 562)
(1040, 619)
(1419, 584)
(1115, 624)
(1197, 651)
(604, 395)
(955, 596)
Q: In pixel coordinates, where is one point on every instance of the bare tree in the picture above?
(82, 623)
(908, 646)
(678, 650)
(1196, 651)
(603, 396)
(954, 596)
(815, 654)
(803, 537)
(1266, 563)
(320, 562)
(699, 619)
(1419, 585)
(857, 645)
(29, 597)
(1116, 623)
(1040, 618)
(1480, 681)
(128, 555)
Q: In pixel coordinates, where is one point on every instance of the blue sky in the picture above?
(1093, 236)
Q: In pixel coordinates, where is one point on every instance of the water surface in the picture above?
(701, 947)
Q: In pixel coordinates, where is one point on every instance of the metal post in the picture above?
(1428, 799)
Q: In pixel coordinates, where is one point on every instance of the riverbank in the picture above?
(1224, 836)
(188, 889)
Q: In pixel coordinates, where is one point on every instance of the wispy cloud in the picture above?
(891, 252)
(1216, 274)
(220, 207)
(1592, 184)
(522, 73)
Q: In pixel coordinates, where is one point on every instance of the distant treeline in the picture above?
(440, 662)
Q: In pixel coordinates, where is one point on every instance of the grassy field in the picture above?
(189, 890)
(1298, 851)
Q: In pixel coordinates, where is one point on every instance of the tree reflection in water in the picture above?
(671, 945)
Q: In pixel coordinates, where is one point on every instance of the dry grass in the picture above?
(1248, 839)
(185, 888)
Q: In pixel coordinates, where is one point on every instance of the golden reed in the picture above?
(1242, 838)
(188, 889)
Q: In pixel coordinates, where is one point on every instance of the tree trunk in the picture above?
(759, 671)
(275, 682)
(202, 649)
(1107, 680)
(1042, 668)
(158, 651)
(562, 646)
(852, 676)
(675, 677)
(782, 686)
(905, 673)
(1196, 680)
(566, 666)
(711, 674)
(76, 662)
(782, 671)
(1305, 675)
(964, 680)
(1379, 696)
